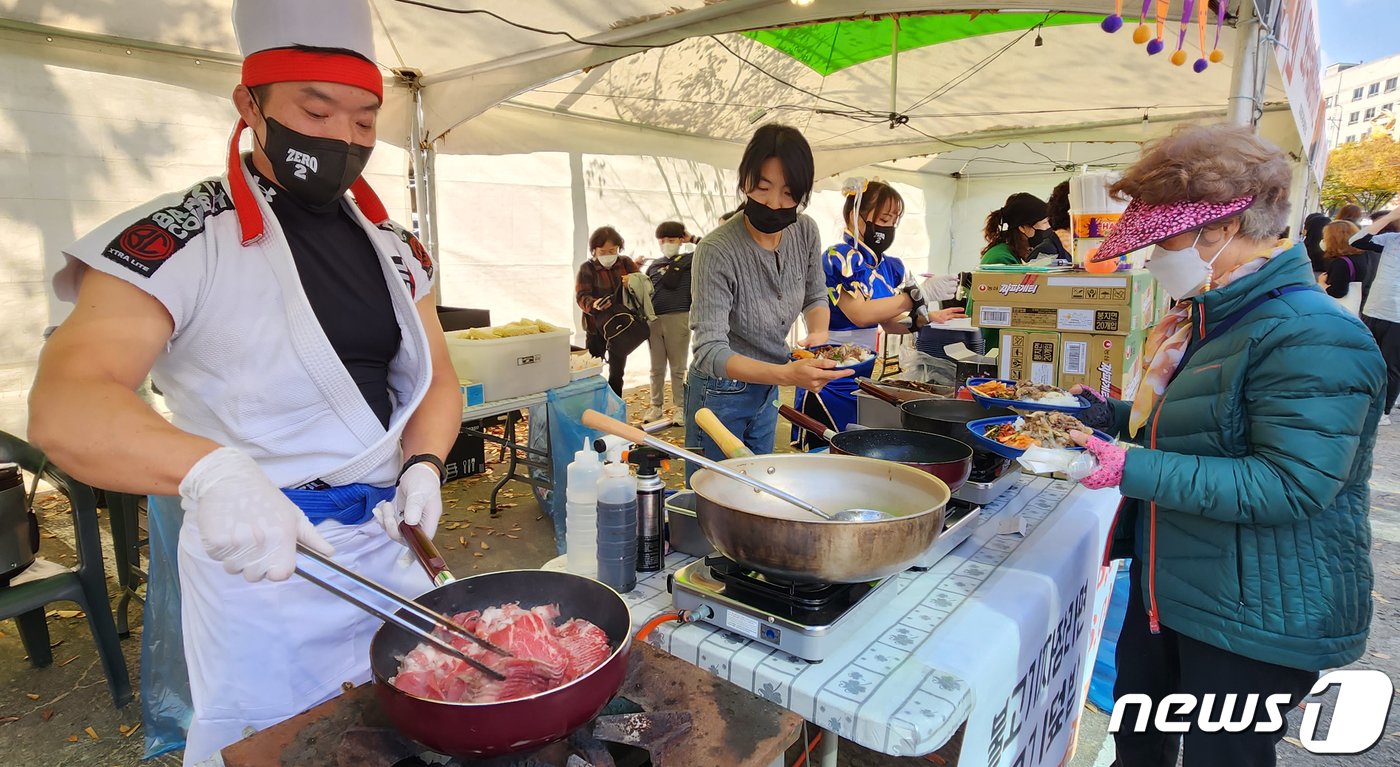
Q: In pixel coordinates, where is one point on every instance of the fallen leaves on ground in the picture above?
(46, 714)
(72, 738)
(132, 731)
(31, 696)
(91, 733)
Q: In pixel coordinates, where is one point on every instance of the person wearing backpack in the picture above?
(670, 332)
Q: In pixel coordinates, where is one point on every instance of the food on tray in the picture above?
(1049, 430)
(517, 328)
(844, 355)
(1025, 391)
(583, 361)
(926, 388)
(546, 656)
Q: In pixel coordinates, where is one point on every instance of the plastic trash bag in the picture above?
(165, 681)
(916, 366)
(559, 424)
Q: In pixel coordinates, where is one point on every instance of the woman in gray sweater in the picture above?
(753, 277)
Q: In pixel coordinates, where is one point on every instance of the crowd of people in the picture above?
(293, 330)
(1210, 451)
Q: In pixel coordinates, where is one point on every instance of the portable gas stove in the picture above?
(991, 476)
(958, 523)
(808, 620)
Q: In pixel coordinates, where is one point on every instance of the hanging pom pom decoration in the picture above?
(1217, 55)
(1141, 34)
(1113, 23)
(1159, 43)
(1201, 63)
(1179, 56)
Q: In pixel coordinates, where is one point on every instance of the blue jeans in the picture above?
(745, 408)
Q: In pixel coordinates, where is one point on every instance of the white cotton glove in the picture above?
(941, 288)
(418, 501)
(244, 520)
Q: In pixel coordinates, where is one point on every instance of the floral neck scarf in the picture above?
(1166, 346)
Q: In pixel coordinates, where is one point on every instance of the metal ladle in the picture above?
(595, 420)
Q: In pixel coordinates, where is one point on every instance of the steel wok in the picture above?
(766, 534)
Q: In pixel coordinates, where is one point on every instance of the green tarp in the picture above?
(833, 46)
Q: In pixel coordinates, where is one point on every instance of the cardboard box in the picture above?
(1029, 356)
(1160, 306)
(1069, 302)
(467, 456)
(1104, 363)
(473, 394)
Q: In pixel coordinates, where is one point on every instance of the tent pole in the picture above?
(423, 157)
(894, 66)
(1244, 81)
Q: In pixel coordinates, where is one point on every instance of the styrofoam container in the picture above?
(512, 367)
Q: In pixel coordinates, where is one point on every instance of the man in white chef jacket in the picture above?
(293, 332)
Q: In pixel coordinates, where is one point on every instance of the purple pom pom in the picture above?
(1155, 46)
(1200, 65)
(1112, 23)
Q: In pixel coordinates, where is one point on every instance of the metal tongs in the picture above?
(427, 615)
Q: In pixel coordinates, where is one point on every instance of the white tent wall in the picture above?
(514, 228)
(976, 197)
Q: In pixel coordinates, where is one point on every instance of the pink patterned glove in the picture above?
(1110, 458)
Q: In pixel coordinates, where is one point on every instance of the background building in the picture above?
(1361, 98)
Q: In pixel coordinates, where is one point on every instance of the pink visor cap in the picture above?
(1142, 224)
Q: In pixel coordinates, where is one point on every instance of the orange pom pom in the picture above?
(1141, 34)
(1099, 267)
(1179, 58)
(1217, 56)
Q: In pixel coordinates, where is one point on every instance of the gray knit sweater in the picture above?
(744, 299)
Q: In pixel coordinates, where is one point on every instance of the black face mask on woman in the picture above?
(1047, 243)
(878, 238)
(769, 220)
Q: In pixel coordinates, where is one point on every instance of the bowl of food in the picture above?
(1024, 395)
(844, 355)
(1010, 436)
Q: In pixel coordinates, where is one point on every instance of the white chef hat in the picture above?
(276, 38)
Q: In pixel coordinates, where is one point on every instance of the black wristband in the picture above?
(426, 458)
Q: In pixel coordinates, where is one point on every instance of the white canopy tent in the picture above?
(590, 133)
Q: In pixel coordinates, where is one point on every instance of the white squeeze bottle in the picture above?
(581, 512)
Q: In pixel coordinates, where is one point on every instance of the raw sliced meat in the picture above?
(546, 656)
(586, 645)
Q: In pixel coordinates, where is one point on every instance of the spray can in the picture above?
(651, 497)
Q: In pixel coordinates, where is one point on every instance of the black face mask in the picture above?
(1047, 243)
(769, 220)
(315, 172)
(878, 238)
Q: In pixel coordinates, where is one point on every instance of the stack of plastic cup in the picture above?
(617, 528)
(581, 512)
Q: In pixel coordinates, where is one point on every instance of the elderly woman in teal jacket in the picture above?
(1245, 506)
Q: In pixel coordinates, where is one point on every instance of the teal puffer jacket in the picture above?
(1248, 503)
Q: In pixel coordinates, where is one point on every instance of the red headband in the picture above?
(281, 65)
